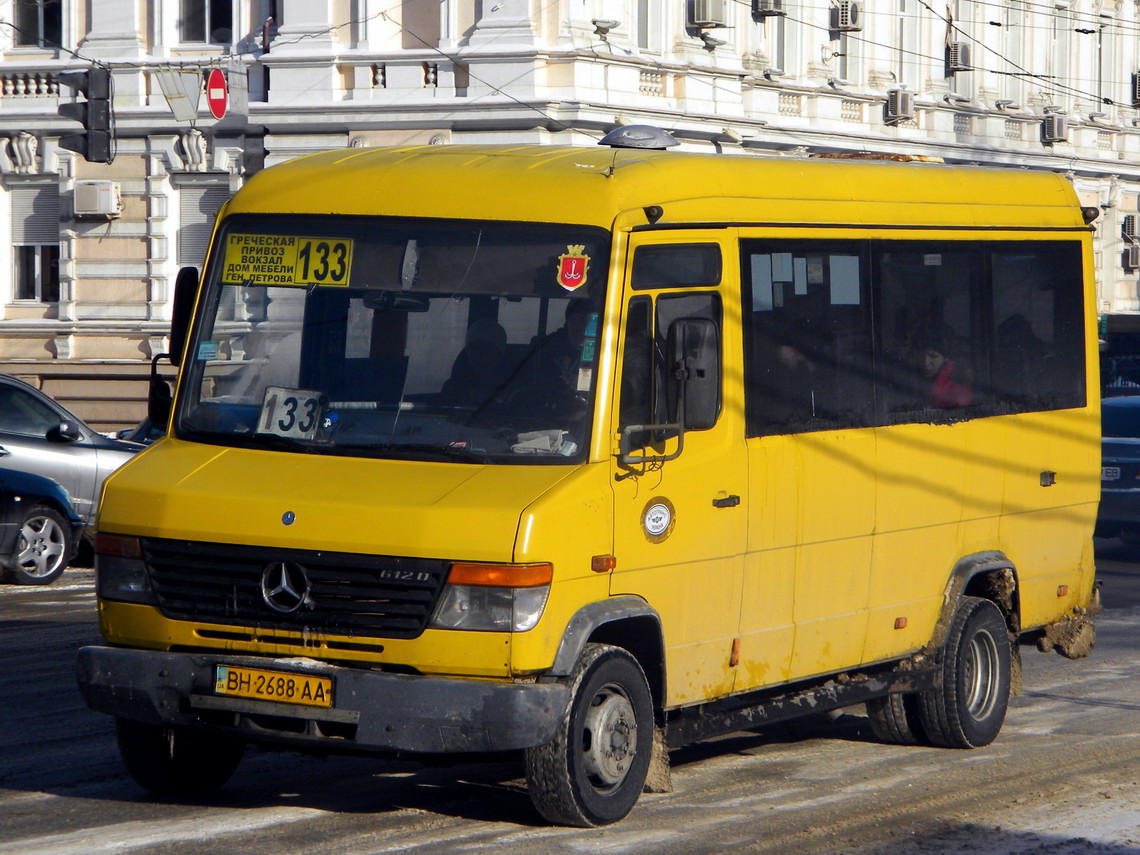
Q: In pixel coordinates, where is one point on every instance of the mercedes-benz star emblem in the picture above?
(284, 586)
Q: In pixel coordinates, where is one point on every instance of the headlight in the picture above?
(493, 597)
(120, 572)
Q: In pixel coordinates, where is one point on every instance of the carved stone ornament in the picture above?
(193, 144)
(24, 148)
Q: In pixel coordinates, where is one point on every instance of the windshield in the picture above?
(407, 339)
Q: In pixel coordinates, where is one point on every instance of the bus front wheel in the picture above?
(175, 762)
(967, 708)
(594, 769)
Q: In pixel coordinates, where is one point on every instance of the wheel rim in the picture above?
(609, 738)
(981, 675)
(40, 551)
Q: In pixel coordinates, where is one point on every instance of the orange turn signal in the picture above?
(603, 563)
(501, 575)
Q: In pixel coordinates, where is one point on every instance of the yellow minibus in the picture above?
(592, 453)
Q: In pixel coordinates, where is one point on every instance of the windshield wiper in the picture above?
(439, 452)
(270, 440)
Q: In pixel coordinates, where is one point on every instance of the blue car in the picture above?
(39, 530)
(1119, 514)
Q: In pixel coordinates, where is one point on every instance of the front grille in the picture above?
(357, 595)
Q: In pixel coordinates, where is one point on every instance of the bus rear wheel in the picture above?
(895, 719)
(175, 762)
(595, 768)
(967, 708)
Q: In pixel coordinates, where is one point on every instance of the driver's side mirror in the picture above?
(158, 398)
(185, 290)
(65, 431)
(692, 389)
(694, 358)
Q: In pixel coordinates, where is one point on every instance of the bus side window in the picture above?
(1039, 340)
(638, 374)
(808, 332)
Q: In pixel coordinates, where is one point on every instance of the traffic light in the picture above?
(94, 114)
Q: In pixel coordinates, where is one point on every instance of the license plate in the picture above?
(280, 686)
(1110, 473)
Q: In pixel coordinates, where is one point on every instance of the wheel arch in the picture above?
(989, 575)
(626, 622)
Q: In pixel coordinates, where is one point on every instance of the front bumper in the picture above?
(372, 711)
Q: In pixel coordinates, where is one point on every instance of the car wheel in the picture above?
(175, 762)
(595, 768)
(43, 548)
(895, 719)
(968, 708)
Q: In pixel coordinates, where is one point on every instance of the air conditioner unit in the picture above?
(847, 16)
(767, 9)
(1128, 227)
(1054, 128)
(710, 13)
(957, 57)
(97, 199)
(1136, 89)
(1132, 256)
(900, 105)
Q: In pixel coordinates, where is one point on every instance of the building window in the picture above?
(206, 21)
(39, 23)
(37, 273)
(35, 243)
(198, 205)
(648, 26)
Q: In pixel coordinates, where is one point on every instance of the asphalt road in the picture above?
(1061, 778)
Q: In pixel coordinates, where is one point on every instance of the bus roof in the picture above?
(593, 186)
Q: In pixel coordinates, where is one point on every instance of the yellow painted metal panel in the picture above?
(567, 526)
(187, 490)
(589, 186)
(813, 496)
(436, 651)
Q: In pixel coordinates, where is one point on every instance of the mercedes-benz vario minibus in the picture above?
(592, 453)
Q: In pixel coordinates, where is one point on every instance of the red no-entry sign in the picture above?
(217, 93)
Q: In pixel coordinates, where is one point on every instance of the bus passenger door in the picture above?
(679, 524)
(809, 405)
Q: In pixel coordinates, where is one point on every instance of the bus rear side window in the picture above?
(864, 333)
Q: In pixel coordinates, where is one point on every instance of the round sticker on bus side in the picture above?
(572, 267)
(658, 519)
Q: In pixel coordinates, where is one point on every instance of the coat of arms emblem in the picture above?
(572, 267)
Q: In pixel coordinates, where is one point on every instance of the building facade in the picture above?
(86, 282)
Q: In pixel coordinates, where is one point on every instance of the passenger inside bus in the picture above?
(560, 354)
(481, 368)
(949, 378)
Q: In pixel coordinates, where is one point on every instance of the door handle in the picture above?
(4, 452)
(726, 502)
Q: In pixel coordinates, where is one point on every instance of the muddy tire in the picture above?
(895, 719)
(594, 769)
(968, 708)
(174, 762)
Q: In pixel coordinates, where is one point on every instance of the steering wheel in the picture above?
(552, 404)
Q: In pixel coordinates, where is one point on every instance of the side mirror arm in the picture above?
(627, 457)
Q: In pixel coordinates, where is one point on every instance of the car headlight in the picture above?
(493, 597)
(120, 572)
